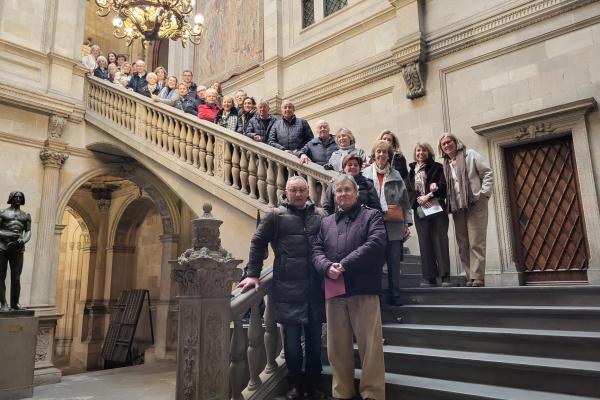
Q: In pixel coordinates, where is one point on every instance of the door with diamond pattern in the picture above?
(548, 225)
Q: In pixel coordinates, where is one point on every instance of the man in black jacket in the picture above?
(290, 133)
(260, 124)
(319, 150)
(297, 292)
(139, 79)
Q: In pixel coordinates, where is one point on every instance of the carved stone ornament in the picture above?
(56, 126)
(43, 347)
(53, 158)
(534, 130)
(414, 80)
(103, 204)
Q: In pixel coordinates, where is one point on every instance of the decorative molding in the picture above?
(53, 159)
(41, 102)
(56, 126)
(500, 24)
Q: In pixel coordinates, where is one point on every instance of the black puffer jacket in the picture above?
(290, 135)
(297, 289)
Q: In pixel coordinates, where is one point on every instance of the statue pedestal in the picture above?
(18, 332)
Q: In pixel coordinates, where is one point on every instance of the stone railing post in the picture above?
(204, 275)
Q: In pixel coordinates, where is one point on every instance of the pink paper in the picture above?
(334, 288)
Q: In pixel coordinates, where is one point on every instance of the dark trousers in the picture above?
(15, 258)
(292, 345)
(394, 254)
(433, 243)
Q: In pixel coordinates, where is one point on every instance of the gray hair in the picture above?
(151, 75)
(284, 102)
(241, 91)
(101, 58)
(94, 47)
(200, 88)
(295, 178)
(341, 179)
(263, 103)
(211, 90)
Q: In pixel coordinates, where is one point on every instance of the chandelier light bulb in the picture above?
(117, 22)
(199, 19)
(193, 3)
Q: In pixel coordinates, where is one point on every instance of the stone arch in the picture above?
(159, 192)
(84, 219)
(132, 214)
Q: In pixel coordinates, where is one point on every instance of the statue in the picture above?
(15, 231)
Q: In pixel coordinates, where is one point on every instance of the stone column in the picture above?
(204, 275)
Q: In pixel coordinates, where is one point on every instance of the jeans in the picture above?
(292, 344)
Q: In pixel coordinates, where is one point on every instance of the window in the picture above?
(331, 6)
(308, 13)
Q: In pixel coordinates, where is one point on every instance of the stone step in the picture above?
(408, 387)
(575, 345)
(524, 317)
(532, 373)
(575, 295)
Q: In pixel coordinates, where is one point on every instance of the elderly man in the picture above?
(351, 268)
(239, 97)
(138, 80)
(261, 123)
(200, 95)
(320, 149)
(297, 295)
(89, 60)
(187, 77)
(290, 133)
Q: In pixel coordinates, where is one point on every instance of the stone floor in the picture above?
(154, 381)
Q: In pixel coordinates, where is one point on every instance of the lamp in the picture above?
(150, 20)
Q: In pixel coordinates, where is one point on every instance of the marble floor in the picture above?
(154, 381)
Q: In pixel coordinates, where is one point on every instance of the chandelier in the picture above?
(150, 20)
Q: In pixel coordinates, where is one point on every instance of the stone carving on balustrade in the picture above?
(53, 158)
(56, 126)
(204, 276)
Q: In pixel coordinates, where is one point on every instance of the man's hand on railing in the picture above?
(248, 283)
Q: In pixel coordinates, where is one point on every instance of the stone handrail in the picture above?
(252, 367)
(254, 169)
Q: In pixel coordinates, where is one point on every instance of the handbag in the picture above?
(395, 213)
(435, 209)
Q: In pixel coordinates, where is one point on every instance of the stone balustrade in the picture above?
(256, 170)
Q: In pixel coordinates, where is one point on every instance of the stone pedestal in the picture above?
(204, 275)
(18, 331)
(45, 372)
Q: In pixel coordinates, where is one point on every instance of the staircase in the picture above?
(517, 343)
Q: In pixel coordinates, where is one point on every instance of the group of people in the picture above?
(328, 263)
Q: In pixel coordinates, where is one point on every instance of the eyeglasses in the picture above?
(294, 191)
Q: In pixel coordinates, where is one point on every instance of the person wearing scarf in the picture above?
(470, 182)
(228, 116)
(151, 86)
(346, 142)
(209, 110)
(168, 94)
(392, 193)
(432, 230)
(398, 161)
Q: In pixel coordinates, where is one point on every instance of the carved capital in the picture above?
(56, 126)
(533, 131)
(53, 158)
(103, 204)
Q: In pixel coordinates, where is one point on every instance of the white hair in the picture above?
(101, 58)
(211, 90)
(151, 75)
(295, 178)
(341, 179)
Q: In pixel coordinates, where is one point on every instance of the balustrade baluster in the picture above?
(209, 154)
(280, 180)
(243, 171)
(262, 184)
(312, 189)
(123, 120)
(271, 337)
(185, 144)
(271, 187)
(255, 340)
(102, 104)
(108, 105)
(170, 136)
(154, 131)
(176, 133)
(237, 367)
(140, 120)
(195, 150)
(235, 167)
(117, 109)
(147, 133)
(131, 109)
(324, 186)
(202, 151)
(165, 133)
(252, 177)
(159, 131)
(227, 159)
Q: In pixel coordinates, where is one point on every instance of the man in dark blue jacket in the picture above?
(320, 149)
(349, 254)
(290, 133)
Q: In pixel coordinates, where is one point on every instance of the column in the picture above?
(204, 275)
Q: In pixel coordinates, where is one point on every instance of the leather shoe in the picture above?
(478, 283)
(293, 394)
(469, 283)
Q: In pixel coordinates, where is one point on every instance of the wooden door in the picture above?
(548, 226)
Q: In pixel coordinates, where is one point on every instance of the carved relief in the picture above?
(43, 346)
(52, 158)
(414, 80)
(103, 205)
(214, 352)
(56, 126)
(534, 131)
(189, 361)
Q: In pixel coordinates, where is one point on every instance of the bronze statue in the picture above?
(15, 231)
